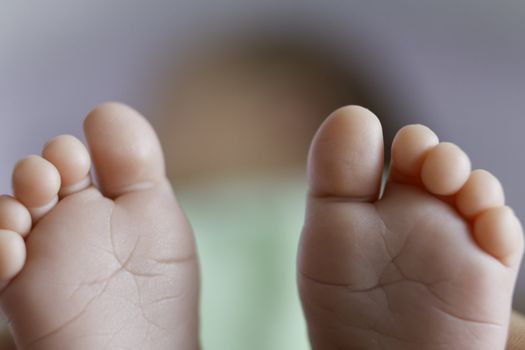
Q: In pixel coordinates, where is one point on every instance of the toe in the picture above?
(498, 232)
(409, 148)
(36, 183)
(125, 150)
(12, 254)
(346, 156)
(445, 169)
(14, 216)
(72, 160)
(482, 191)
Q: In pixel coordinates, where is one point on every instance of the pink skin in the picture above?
(109, 267)
(431, 264)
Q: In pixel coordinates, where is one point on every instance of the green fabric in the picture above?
(247, 232)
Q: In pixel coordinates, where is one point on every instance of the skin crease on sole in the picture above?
(431, 264)
(107, 267)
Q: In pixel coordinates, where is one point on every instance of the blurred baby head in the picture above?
(250, 104)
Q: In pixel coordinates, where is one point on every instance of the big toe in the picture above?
(125, 150)
(346, 156)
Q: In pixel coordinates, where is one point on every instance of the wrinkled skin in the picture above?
(105, 274)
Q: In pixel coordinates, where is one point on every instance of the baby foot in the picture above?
(112, 267)
(431, 264)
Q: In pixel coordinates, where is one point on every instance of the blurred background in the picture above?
(236, 90)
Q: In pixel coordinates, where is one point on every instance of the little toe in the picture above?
(14, 216)
(72, 161)
(482, 191)
(498, 232)
(445, 169)
(12, 255)
(346, 156)
(125, 149)
(36, 183)
(409, 149)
